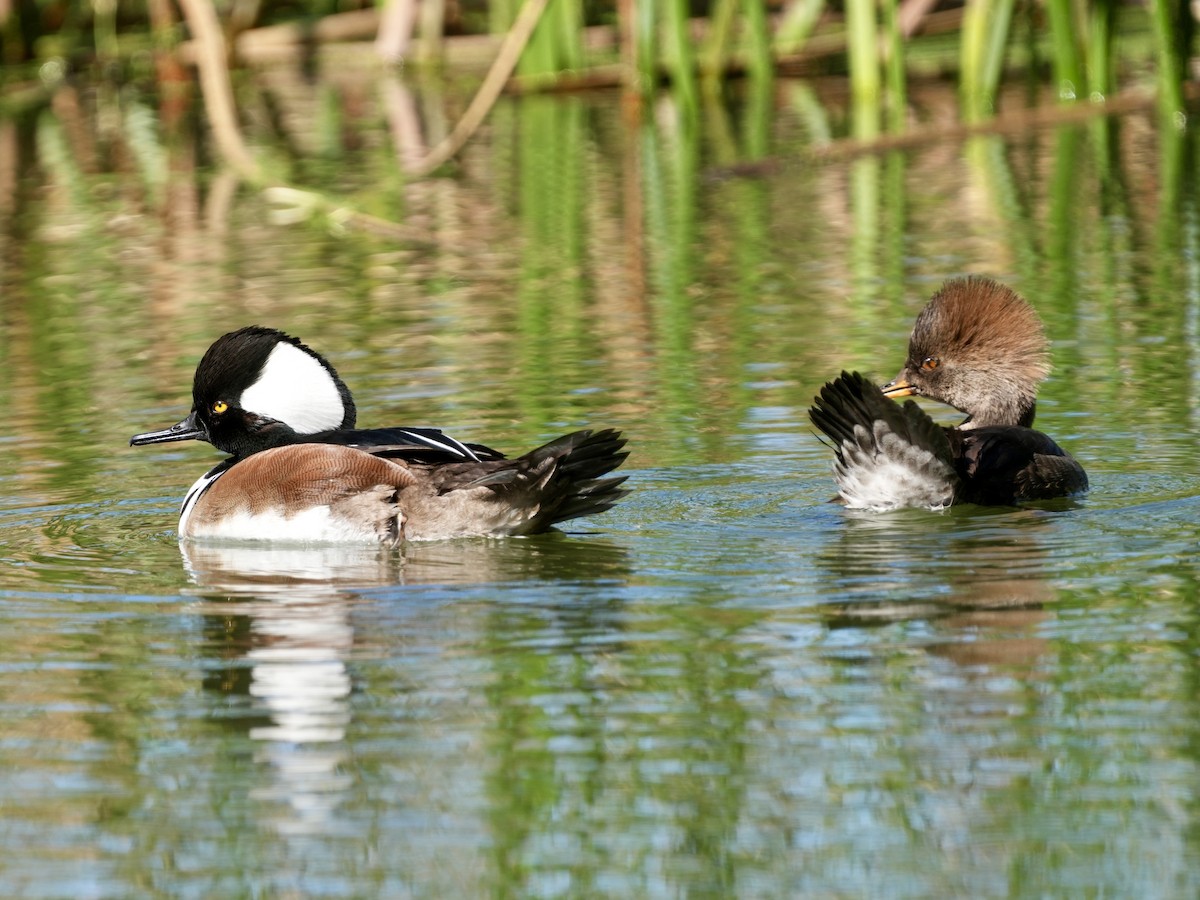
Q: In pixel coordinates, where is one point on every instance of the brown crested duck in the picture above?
(979, 347)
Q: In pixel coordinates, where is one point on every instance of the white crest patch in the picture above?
(296, 389)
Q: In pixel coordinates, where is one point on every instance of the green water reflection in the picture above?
(727, 686)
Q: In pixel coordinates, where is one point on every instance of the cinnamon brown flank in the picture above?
(284, 481)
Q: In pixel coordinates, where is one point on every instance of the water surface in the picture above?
(727, 686)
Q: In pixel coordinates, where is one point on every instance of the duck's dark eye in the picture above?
(930, 363)
(219, 407)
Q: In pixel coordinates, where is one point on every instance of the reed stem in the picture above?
(894, 85)
(646, 32)
(863, 46)
(759, 60)
(985, 29)
(1173, 31)
(1066, 62)
(796, 24)
(682, 65)
(715, 52)
(1100, 76)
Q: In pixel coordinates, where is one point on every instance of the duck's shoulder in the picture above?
(309, 473)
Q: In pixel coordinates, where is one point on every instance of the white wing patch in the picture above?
(880, 471)
(296, 389)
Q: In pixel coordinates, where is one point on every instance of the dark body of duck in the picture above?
(979, 347)
(299, 470)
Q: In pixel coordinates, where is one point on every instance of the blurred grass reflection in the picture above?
(639, 285)
(553, 293)
(576, 750)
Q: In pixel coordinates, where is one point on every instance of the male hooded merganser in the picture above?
(979, 347)
(299, 470)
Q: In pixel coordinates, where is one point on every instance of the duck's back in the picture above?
(1004, 464)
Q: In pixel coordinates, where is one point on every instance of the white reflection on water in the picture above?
(300, 638)
(299, 675)
(282, 570)
(300, 671)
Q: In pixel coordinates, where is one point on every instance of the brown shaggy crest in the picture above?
(989, 322)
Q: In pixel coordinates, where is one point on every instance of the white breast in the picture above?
(315, 525)
(189, 499)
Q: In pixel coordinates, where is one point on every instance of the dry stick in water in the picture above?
(1128, 100)
(493, 84)
(213, 61)
(396, 22)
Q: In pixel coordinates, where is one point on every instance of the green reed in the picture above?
(862, 34)
(984, 37)
(797, 22)
(642, 33)
(1101, 74)
(681, 41)
(1066, 58)
(894, 82)
(557, 43)
(714, 53)
(757, 48)
(679, 58)
(1173, 30)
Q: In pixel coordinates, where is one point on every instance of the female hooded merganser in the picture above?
(979, 347)
(299, 470)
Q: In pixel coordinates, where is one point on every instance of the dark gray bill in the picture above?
(187, 430)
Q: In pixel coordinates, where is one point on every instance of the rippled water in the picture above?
(728, 686)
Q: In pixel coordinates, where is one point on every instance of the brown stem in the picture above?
(493, 84)
(213, 61)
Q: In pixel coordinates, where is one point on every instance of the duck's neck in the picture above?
(1004, 414)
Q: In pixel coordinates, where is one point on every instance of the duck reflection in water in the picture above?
(281, 647)
(280, 627)
(972, 559)
(323, 570)
(979, 347)
(978, 576)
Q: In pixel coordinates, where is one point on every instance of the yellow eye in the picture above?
(219, 407)
(930, 362)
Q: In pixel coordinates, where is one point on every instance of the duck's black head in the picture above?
(978, 346)
(258, 388)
